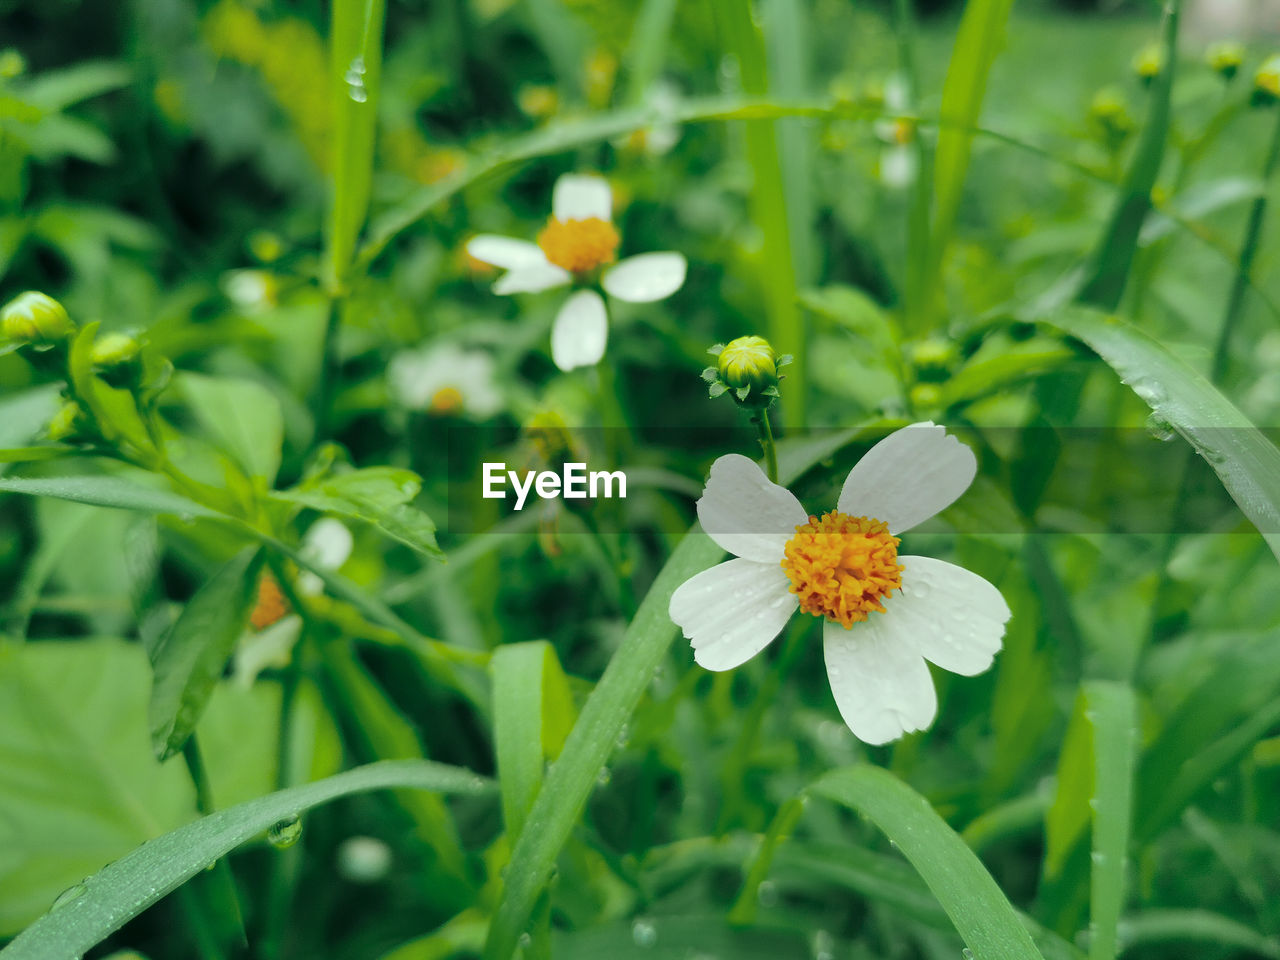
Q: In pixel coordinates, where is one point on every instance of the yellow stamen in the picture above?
(446, 400)
(842, 567)
(271, 606)
(579, 245)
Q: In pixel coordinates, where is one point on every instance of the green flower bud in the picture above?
(1225, 58)
(12, 64)
(1148, 62)
(934, 353)
(926, 396)
(33, 317)
(747, 367)
(1109, 114)
(68, 423)
(1266, 82)
(115, 349)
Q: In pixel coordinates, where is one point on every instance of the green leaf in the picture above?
(125, 888)
(1246, 462)
(532, 715)
(108, 491)
(242, 417)
(355, 80)
(100, 792)
(1112, 710)
(981, 913)
(1196, 926)
(59, 89)
(191, 657)
(978, 43)
(375, 495)
(50, 451)
(113, 409)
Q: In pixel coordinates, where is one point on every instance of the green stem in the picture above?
(326, 387)
(199, 775)
(1252, 237)
(784, 821)
(766, 442)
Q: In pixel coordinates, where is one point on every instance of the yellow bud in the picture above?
(748, 362)
(33, 317)
(1148, 63)
(1266, 82)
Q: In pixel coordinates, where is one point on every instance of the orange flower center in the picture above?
(446, 400)
(271, 606)
(842, 567)
(579, 245)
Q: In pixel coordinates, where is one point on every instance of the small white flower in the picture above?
(445, 378)
(577, 242)
(898, 133)
(885, 614)
(656, 140)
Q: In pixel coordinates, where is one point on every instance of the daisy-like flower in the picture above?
(576, 245)
(445, 379)
(885, 614)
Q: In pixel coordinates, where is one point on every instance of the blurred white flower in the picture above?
(898, 165)
(657, 139)
(253, 291)
(845, 567)
(363, 859)
(577, 242)
(327, 544)
(445, 378)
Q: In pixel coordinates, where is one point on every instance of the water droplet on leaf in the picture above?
(285, 833)
(644, 933)
(73, 892)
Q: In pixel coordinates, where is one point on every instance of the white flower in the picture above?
(898, 132)
(577, 242)
(445, 378)
(663, 98)
(885, 614)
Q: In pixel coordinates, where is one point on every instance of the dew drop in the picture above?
(967, 953)
(73, 892)
(604, 776)
(285, 833)
(1160, 428)
(644, 933)
(767, 894)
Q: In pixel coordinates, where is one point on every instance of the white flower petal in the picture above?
(532, 278)
(327, 543)
(505, 252)
(881, 685)
(580, 331)
(908, 477)
(730, 612)
(898, 166)
(579, 197)
(646, 277)
(746, 514)
(947, 614)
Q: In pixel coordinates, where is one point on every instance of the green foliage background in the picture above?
(511, 752)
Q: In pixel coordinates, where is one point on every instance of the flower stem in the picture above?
(1252, 236)
(767, 444)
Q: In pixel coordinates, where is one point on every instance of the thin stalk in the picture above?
(767, 444)
(784, 821)
(322, 411)
(915, 311)
(1252, 238)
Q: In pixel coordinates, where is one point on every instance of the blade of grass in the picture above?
(1110, 267)
(648, 45)
(1246, 462)
(125, 888)
(981, 913)
(1112, 709)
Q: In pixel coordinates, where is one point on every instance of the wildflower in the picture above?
(578, 241)
(1148, 62)
(748, 369)
(537, 100)
(663, 98)
(271, 606)
(898, 133)
(254, 291)
(34, 317)
(1110, 117)
(445, 379)
(1225, 58)
(885, 614)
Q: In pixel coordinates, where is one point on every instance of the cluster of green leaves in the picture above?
(554, 777)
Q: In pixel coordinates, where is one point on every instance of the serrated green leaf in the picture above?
(191, 657)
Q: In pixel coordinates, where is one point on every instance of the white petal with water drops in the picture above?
(732, 611)
(881, 685)
(949, 615)
(580, 331)
(646, 277)
(533, 278)
(742, 511)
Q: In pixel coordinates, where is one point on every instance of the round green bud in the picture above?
(1110, 115)
(115, 349)
(1266, 82)
(748, 362)
(1148, 62)
(934, 353)
(12, 64)
(33, 317)
(1225, 58)
(926, 396)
